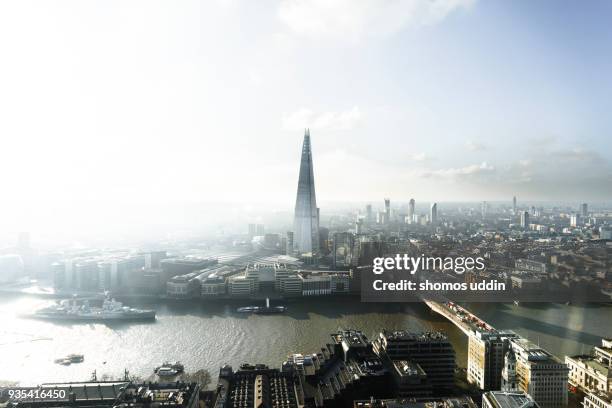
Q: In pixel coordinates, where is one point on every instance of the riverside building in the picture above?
(431, 351)
(486, 358)
(592, 372)
(540, 374)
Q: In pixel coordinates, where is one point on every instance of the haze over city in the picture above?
(130, 114)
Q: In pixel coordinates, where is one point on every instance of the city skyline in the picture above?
(432, 107)
(467, 114)
(306, 203)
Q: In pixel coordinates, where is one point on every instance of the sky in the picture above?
(123, 104)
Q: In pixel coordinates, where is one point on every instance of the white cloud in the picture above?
(475, 146)
(577, 154)
(306, 118)
(420, 157)
(353, 19)
(462, 172)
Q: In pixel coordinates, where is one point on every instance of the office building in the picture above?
(540, 374)
(153, 259)
(87, 275)
(306, 217)
(514, 205)
(316, 285)
(289, 243)
(241, 286)
(381, 217)
(605, 232)
(287, 282)
(432, 351)
(486, 358)
(584, 210)
(369, 214)
(387, 210)
(524, 219)
(252, 230)
(411, 212)
(115, 273)
(11, 269)
(433, 214)
(260, 230)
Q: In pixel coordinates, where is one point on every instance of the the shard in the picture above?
(306, 218)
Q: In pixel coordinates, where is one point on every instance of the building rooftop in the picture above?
(591, 362)
(414, 336)
(407, 368)
(353, 338)
(110, 394)
(503, 399)
(532, 352)
(458, 402)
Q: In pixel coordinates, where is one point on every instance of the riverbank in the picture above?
(212, 334)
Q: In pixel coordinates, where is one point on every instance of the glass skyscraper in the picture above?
(306, 218)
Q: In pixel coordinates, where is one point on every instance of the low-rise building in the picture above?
(592, 372)
(597, 400)
(456, 402)
(113, 394)
(213, 286)
(257, 386)
(242, 286)
(315, 284)
(182, 286)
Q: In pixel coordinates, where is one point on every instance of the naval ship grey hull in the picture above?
(139, 316)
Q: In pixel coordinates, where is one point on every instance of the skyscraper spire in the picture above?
(306, 219)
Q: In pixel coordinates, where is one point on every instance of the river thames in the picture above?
(210, 335)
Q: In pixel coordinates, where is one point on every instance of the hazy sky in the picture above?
(184, 101)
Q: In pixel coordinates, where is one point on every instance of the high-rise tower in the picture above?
(387, 210)
(306, 218)
(433, 214)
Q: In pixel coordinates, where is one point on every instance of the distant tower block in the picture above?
(306, 217)
(525, 219)
(433, 214)
(387, 210)
(411, 209)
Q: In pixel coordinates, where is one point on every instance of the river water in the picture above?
(210, 335)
